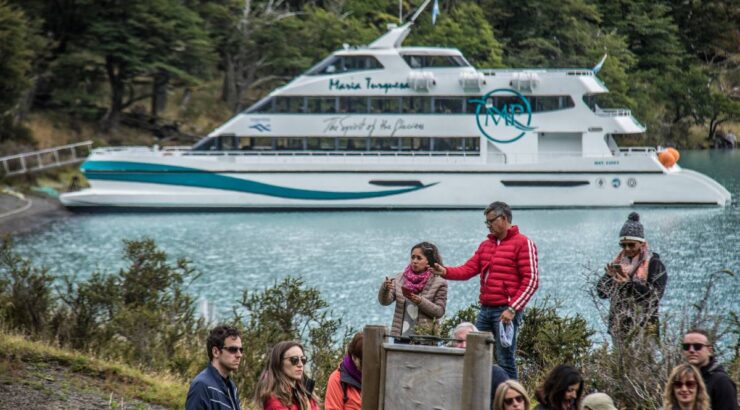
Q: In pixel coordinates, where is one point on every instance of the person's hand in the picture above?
(388, 283)
(439, 270)
(620, 277)
(506, 317)
(414, 298)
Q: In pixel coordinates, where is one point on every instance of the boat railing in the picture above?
(613, 112)
(581, 72)
(133, 148)
(44, 159)
(271, 153)
(637, 151)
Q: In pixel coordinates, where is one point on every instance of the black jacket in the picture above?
(209, 391)
(634, 302)
(721, 389)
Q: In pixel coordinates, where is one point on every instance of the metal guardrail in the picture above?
(35, 161)
(613, 112)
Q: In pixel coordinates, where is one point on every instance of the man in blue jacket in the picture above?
(212, 389)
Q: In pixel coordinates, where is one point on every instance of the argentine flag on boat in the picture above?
(435, 12)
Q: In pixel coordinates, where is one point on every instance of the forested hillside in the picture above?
(175, 68)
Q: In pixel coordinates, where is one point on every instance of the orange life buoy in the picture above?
(666, 158)
(674, 152)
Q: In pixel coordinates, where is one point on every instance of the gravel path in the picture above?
(48, 386)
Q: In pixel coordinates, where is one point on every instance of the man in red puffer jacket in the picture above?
(507, 264)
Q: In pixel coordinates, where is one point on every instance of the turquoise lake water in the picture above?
(346, 254)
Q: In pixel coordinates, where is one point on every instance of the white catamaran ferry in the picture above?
(386, 126)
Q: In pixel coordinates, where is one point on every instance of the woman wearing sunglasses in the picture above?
(562, 389)
(634, 282)
(685, 390)
(283, 384)
(510, 395)
(420, 296)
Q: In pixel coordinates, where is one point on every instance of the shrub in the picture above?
(141, 315)
(26, 300)
(288, 311)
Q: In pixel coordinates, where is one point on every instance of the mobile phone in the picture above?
(407, 292)
(615, 267)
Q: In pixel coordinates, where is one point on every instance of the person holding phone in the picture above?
(420, 296)
(634, 282)
(283, 384)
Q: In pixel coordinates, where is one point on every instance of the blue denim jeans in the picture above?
(488, 321)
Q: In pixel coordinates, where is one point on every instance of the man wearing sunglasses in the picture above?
(634, 283)
(507, 264)
(212, 389)
(697, 350)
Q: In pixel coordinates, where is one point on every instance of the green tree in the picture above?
(268, 46)
(709, 29)
(18, 43)
(464, 27)
(159, 39)
(545, 34)
(650, 32)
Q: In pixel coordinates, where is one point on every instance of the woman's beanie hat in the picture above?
(632, 230)
(598, 401)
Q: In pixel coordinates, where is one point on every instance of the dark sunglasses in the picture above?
(233, 349)
(295, 359)
(629, 245)
(690, 384)
(511, 400)
(696, 346)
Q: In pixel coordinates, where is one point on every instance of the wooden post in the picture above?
(372, 347)
(476, 383)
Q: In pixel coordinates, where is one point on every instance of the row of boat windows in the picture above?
(233, 143)
(402, 105)
(345, 64)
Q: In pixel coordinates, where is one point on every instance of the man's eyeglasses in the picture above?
(511, 400)
(690, 384)
(295, 359)
(233, 349)
(490, 222)
(695, 346)
(629, 245)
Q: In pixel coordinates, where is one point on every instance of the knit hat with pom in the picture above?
(632, 230)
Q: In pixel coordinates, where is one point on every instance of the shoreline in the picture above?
(19, 215)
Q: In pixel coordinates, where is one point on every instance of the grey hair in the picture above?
(499, 208)
(462, 326)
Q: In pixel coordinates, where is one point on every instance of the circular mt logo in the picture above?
(503, 115)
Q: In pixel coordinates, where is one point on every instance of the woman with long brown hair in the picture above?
(283, 384)
(685, 390)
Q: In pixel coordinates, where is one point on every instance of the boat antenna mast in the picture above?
(395, 35)
(418, 11)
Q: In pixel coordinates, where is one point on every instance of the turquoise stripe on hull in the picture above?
(174, 175)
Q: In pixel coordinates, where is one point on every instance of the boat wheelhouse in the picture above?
(386, 126)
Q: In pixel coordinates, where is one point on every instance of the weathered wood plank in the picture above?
(476, 378)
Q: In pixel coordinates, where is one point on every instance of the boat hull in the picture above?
(394, 190)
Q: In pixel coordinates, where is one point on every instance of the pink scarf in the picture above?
(415, 281)
(638, 266)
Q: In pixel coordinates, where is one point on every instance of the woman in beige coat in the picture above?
(420, 295)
